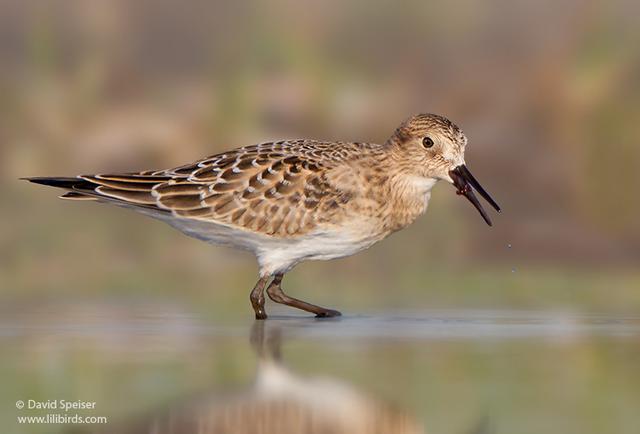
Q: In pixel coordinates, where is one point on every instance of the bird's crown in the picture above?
(425, 124)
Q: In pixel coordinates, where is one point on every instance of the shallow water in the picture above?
(156, 368)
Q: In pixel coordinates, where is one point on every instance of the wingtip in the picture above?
(60, 182)
(34, 179)
(72, 195)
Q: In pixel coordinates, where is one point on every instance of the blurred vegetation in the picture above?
(547, 93)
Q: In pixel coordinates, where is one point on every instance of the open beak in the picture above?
(465, 184)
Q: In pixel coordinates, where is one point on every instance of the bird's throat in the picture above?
(409, 199)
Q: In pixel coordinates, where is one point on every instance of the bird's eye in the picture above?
(427, 142)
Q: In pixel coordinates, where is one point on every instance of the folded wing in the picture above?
(278, 189)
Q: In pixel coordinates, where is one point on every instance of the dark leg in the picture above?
(257, 298)
(276, 294)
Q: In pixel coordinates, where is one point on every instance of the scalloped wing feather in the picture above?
(281, 189)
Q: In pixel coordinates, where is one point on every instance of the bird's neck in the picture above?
(409, 199)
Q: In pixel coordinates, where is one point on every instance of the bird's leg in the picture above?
(257, 298)
(276, 294)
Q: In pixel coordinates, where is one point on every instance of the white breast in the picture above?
(279, 256)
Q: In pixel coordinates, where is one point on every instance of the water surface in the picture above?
(157, 368)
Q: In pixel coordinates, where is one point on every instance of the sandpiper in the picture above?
(294, 200)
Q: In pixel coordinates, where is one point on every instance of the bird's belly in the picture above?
(219, 234)
(278, 255)
(282, 255)
(335, 245)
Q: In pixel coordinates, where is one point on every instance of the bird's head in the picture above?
(431, 147)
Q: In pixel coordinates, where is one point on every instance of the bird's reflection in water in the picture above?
(280, 402)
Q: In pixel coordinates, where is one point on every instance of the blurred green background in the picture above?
(547, 92)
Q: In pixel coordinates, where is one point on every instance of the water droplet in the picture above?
(508, 246)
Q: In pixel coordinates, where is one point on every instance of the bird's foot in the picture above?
(328, 313)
